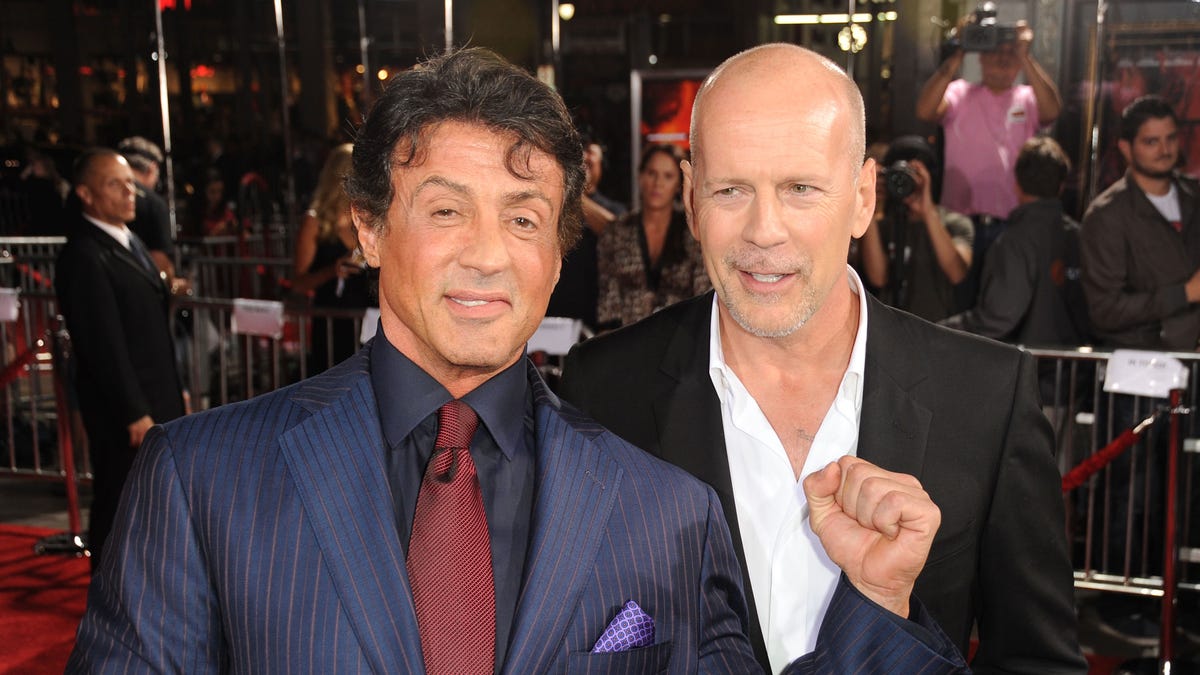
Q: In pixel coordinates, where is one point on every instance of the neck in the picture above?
(98, 219)
(1152, 185)
(659, 217)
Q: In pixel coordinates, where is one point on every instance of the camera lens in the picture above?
(899, 180)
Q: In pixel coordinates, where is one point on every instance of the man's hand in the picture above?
(920, 202)
(138, 429)
(874, 524)
(1192, 288)
(1024, 39)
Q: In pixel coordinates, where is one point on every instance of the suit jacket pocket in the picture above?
(652, 659)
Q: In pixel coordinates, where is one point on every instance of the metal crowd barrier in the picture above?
(1133, 526)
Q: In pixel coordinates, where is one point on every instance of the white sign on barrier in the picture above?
(1142, 373)
(556, 335)
(263, 318)
(370, 323)
(10, 304)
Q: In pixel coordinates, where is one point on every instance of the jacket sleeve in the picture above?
(1112, 305)
(151, 606)
(1025, 570)
(724, 647)
(859, 636)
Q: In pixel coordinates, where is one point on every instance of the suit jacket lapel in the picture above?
(120, 252)
(691, 435)
(336, 459)
(894, 426)
(576, 488)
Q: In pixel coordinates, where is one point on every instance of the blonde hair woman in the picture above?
(326, 265)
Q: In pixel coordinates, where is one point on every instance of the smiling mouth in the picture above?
(470, 303)
(765, 278)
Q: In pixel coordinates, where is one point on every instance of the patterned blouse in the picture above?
(630, 288)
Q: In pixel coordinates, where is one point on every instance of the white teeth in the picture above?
(470, 303)
(766, 278)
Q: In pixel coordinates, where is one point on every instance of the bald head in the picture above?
(751, 81)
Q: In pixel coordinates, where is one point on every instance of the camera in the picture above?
(982, 33)
(899, 180)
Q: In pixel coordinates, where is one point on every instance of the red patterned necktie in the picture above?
(450, 555)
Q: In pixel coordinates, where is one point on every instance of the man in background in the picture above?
(1031, 291)
(116, 308)
(985, 124)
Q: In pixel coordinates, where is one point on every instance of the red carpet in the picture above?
(41, 601)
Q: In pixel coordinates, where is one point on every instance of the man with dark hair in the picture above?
(1141, 240)
(1140, 245)
(1030, 292)
(116, 309)
(916, 251)
(429, 504)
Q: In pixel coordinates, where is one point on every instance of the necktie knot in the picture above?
(456, 425)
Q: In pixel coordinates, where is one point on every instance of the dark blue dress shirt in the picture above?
(503, 450)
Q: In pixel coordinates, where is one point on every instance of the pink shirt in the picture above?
(984, 133)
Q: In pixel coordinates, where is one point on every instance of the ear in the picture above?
(864, 207)
(688, 195)
(84, 194)
(368, 238)
(1126, 151)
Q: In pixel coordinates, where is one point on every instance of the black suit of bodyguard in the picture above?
(116, 308)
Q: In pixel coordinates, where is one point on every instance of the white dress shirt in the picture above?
(118, 232)
(792, 577)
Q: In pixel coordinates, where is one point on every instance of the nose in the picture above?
(484, 248)
(764, 227)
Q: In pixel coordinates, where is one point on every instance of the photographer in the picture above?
(985, 123)
(915, 251)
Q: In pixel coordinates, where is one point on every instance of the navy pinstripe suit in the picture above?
(260, 538)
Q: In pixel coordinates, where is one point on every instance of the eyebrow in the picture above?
(510, 198)
(443, 182)
(513, 198)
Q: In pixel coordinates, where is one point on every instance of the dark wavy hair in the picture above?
(1142, 109)
(474, 86)
(1042, 167)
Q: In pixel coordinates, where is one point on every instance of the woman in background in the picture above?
(326, 266)
(648, 259)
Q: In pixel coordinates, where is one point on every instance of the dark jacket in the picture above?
(985, 454)
(1029, 278)
(1135, 266)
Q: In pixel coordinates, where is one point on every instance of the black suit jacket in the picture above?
(960, 413)
(117, 314)
(124, 361)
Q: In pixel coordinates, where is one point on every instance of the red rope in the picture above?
(35, 275)
(1075, 477)
(12, 370)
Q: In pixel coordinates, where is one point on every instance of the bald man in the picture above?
(116, 305)
(789, 365)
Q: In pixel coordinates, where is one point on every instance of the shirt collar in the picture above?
(851, 390)
(407, 395)
(118, 232)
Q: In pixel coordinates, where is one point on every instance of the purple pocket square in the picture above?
(629, 629)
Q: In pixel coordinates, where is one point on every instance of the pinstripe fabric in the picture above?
(259, 538)
(870, 641)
